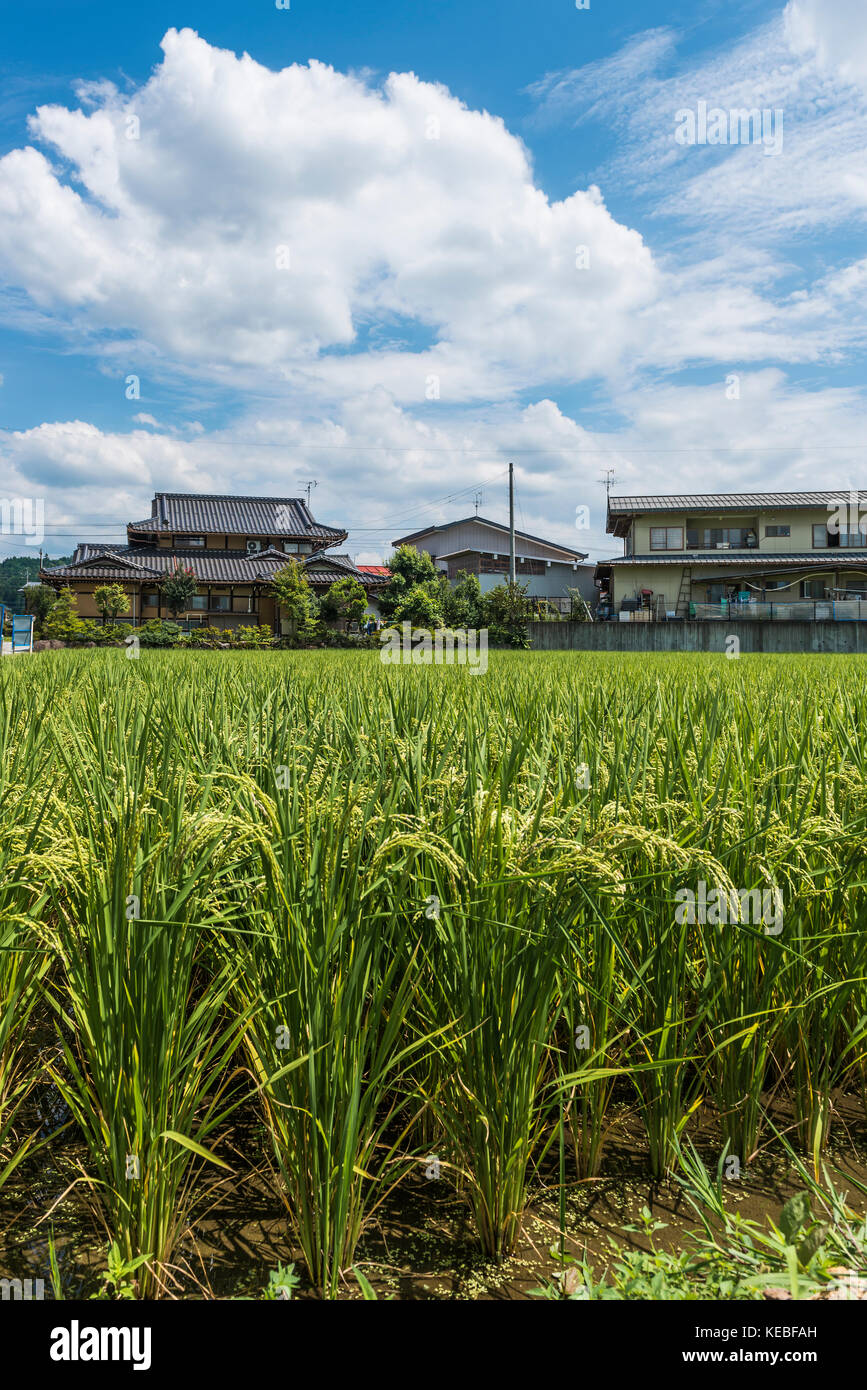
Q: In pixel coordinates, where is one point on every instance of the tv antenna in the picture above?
(609, 480)
(478, 499)
(308, 488)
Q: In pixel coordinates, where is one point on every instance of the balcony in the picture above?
(797, 610)
(702, 538)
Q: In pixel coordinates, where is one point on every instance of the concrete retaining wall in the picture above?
(754, 636)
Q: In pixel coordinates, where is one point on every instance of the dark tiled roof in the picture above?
(139, 562)
(498, 526)
(206, 514)
(318, 572)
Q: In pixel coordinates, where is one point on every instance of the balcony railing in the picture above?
(802, 610)
(743, 544)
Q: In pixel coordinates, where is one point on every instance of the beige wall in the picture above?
(662, 579)
(799, 521)
(86, 607)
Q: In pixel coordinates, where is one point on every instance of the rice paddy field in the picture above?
(326, 979)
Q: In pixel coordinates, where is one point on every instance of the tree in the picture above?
(39, 602)
(294, 596)
(344, 602)
(16, 571)
(111, 600)
(410, 569)
(462, 605)
(62, 622)
(506, 612)
(419, 607)
(178, 588)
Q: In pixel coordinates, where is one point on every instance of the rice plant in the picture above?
(408, 913)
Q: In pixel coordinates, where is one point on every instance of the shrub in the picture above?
(205, 636)
(111, 632)
(63, 623)
(260, 636)
(156, 633)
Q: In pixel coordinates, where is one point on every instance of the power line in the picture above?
(620, 450)
(614, 448)
(381, 524)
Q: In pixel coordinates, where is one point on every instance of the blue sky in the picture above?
(399, 244)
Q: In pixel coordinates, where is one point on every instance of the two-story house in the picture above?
(478, 546)
(686, 555)
(234, 545)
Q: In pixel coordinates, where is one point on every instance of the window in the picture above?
(812, 588)
(304, 548)
(190, 541)
(772, 584)
(199, 602)
(151, 600)
(853, 539)
(842, 538)
(713, 537)
(666, 538)
(778, 530)
(290, 547)
(220, 602)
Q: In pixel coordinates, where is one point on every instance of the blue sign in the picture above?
(22, 632)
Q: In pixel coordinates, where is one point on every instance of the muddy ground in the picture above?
(420, 1244)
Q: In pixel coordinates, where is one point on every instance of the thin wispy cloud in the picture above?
(816, 178)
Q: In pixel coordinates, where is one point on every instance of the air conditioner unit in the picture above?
(253, 547)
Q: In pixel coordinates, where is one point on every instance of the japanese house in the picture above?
(481, 547)
(234, 545)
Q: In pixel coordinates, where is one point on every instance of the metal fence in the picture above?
(802, 610)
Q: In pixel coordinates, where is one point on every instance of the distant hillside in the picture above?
(16, 570)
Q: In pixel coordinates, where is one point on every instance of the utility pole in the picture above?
(511, 523)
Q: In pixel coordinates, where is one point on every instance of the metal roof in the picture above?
(497, 526)
(749, 561)
(727, 501)
(199, 513)
(622, 507)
